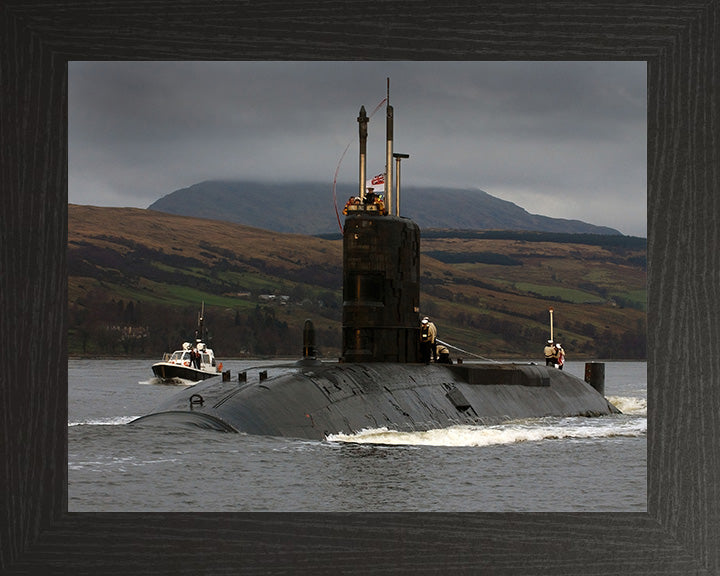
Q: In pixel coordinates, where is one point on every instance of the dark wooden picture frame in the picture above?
(680, 533)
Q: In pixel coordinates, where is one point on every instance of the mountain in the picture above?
(309, 208)
(136, 279)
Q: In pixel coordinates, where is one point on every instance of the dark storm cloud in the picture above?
(565, 139)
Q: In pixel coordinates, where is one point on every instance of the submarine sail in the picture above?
(379, 380)
(381, 289)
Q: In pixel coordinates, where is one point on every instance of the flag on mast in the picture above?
(377, 183)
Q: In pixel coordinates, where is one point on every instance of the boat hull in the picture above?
(168, 371)
(316, 401)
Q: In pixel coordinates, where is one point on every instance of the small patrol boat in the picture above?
(192, 363)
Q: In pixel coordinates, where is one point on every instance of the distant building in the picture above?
(283, 299)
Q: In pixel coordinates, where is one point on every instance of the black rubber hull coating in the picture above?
(381, 290)
(315, 401)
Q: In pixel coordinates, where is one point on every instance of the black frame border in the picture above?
(680, 533)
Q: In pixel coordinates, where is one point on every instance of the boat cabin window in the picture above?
(205, 358)
(180, 356)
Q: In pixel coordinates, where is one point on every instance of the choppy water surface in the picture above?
(546, 464)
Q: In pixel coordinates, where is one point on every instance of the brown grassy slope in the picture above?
(171, 234)
(166, 265)
(204, 240)
(491, 310)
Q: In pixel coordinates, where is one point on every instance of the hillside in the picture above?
(136, 279)
(308, 208)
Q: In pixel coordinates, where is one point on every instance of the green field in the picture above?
(134, 279)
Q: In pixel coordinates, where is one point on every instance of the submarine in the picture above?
(381, 379)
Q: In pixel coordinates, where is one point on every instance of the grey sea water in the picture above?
(540, 465)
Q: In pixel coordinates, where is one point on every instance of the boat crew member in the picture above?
(549, 352)
(352, 201)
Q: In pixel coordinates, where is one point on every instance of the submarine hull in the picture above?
(313, 402)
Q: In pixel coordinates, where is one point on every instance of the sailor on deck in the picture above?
(549, 352)
(559, 356)
(443, 355)
(428, 334)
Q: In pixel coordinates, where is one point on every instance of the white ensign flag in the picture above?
(377, 183)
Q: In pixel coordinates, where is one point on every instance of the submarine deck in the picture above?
(313, 400)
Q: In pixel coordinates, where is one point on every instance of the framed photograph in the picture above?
(676, 534)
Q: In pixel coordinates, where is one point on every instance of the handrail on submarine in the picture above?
(465, 351)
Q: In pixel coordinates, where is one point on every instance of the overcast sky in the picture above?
(562, 139)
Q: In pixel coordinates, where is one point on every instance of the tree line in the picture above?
(98, 326)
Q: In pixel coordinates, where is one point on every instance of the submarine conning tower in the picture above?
(381, 267)
(381, 289)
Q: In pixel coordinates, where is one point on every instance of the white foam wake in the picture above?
(168, 382)
(629, 405)
(114, 421)
(510, 433)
